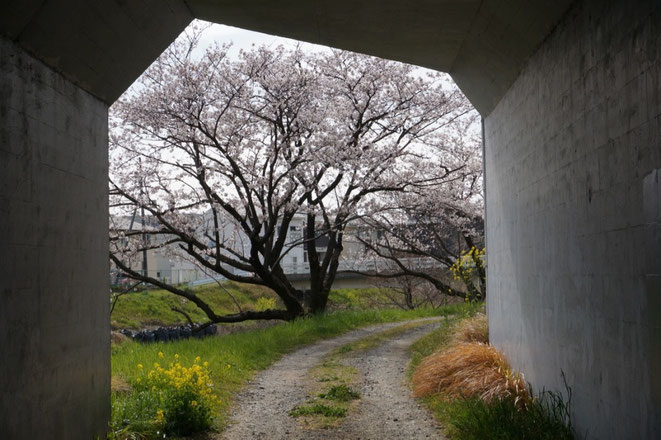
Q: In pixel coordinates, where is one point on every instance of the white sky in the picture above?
(244, 39)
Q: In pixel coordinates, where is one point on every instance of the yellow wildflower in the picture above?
(160, 416)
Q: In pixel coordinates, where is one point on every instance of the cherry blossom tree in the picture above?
(222, 154)
(435, 232)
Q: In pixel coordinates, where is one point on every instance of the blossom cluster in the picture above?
(467, 263)
(196, 378)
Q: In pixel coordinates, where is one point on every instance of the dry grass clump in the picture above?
(472, 370)
(119, 385)
(116, 338)
(475, 329)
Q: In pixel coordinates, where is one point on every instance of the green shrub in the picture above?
(184, 413)
(176, 400)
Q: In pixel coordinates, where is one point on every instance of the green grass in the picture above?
(236, 358)
(341, 393)
(153, 307)
(547, 418)
(376, 339)
(357, 298)
(318, 409)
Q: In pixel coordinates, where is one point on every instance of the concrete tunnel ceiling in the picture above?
(104, 45)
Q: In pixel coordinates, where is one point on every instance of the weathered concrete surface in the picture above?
(481, 43)
(100, 45)
(572, 183)
(54, 329)
(573, 219)
(105, 44)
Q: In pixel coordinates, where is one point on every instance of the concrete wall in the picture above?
(54, 344)
(573, 152)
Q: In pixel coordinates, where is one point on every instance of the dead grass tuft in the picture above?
(475, 329)
(119, 385)
(116, 338)
(469, 369)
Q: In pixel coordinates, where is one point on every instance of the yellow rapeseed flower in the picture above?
(160, 355)
(160, 416)
(139, 366)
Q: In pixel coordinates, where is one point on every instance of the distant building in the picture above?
(173, 266)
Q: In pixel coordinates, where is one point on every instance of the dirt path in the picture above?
(386, 410)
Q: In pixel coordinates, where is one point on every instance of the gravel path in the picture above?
(386, 411)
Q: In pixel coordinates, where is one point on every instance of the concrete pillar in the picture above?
(54, 332)
(573, 152)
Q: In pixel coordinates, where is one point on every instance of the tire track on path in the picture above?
(387, 409)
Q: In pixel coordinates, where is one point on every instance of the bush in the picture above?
(176, 400)
(183, 414)
(469, 369)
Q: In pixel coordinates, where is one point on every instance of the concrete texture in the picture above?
(572, 157)
(104, 45)
(54, 329)
(100, 45)
(573, 152)
(481, 43)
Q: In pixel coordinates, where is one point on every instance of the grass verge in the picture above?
(234, 359)
(462, 404)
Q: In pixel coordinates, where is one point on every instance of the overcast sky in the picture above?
(244, 39)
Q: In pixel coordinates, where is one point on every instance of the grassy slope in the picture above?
(236, 358)
(153, 307)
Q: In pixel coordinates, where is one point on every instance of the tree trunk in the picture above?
(318, 301)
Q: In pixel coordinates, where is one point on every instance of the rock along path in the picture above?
(387, 409)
